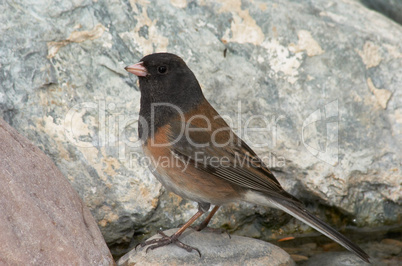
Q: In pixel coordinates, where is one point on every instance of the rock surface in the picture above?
(215, 250)
(335, 259)
(322, 78)
(42, 219)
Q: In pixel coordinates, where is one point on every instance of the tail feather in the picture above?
(306, 217)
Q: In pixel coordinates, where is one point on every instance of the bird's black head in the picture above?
(165, 77)
(167, 87)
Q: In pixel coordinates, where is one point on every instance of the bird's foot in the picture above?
(164, 241)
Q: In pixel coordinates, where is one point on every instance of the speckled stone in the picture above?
(215, 250)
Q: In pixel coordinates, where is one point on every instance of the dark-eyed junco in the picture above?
(196, 155)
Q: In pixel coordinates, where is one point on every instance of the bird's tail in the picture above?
(303, 215)
(290, 205)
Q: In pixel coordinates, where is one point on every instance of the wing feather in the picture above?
(243, 168)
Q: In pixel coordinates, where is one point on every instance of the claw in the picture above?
(199, 253)
(164, 241)
(162, 233)
(135, 248)
(150, 248)
(146, 251)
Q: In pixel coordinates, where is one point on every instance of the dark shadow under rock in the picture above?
(389, 8)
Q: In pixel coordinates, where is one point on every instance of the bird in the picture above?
(195, 154)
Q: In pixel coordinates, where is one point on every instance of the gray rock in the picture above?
(215, 250)
(323, 79)
(42, 219)
(334, 259)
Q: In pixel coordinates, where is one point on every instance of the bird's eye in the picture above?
(162, 69)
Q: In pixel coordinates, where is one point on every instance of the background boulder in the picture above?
(321, 82)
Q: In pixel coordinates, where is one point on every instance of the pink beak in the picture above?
(137, 69)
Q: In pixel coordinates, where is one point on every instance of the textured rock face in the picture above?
(215, 250)
(42, 219)
(320, 80)
(335, 259)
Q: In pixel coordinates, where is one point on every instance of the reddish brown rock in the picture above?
(42, 219)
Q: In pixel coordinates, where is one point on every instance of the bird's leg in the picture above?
(205, 223)
(166, 240)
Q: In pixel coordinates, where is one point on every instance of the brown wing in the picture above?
(212, 147)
